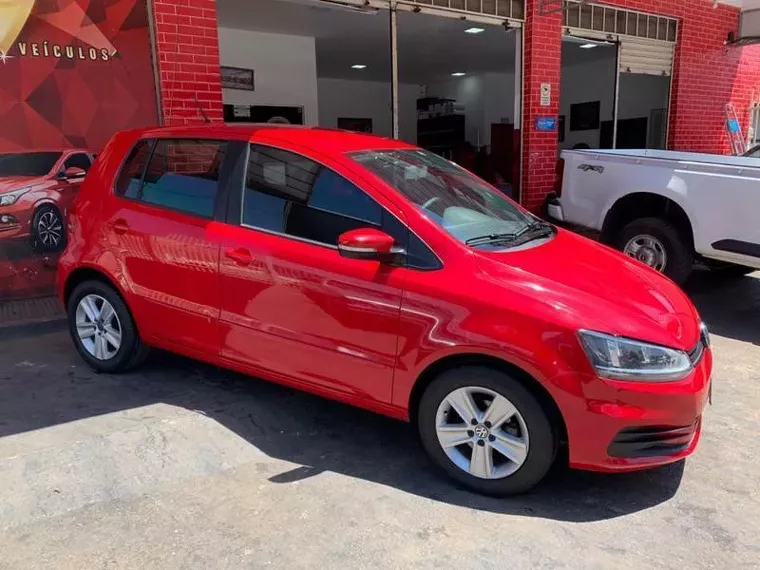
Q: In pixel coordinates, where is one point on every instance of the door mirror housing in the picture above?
(367, 243)
(72, 172)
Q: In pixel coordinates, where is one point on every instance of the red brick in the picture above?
(188, 61)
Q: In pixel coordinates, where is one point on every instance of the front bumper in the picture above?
(630, 426)
(553, 208)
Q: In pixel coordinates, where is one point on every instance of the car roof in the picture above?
(39, 150)
(326, 139)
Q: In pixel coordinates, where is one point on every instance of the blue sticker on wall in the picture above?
(546, 123)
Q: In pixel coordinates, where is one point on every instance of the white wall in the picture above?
(368, 99)
(595, 81)
(285, 69)
(487, 98)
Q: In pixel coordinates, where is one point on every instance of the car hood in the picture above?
(589, 286)
(11, 183)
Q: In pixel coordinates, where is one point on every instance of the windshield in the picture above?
(28, 163)
(456, 200)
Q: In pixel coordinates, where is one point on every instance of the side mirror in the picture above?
(366, 243)
(72, 172)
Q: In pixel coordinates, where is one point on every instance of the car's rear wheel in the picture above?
(102, 328)
(486, 431)
(658, 244)
(48, 230)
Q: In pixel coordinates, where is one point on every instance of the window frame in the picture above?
(223, 183)
(236, 208)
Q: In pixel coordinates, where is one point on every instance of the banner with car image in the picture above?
(72, 72)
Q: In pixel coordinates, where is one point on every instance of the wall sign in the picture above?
(546, 123)
(240, 111)
(72, 73)
(237, 78)
(546, 94)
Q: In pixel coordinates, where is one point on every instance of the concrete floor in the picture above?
(185, 466)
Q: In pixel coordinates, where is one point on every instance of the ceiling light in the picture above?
(359, 66)
(588, 46)
(458, 74)
(474, 31)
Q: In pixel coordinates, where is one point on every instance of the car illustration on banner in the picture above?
(36, 191)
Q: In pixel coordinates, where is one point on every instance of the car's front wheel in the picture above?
(486, 430)
(102, 328)
(48, 230)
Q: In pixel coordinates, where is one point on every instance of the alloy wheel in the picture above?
(98, 327)
(50, 229)
(649, 250)
(482, 432)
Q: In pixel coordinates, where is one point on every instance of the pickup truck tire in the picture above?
(679, 254)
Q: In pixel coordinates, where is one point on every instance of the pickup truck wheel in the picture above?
(660, 245)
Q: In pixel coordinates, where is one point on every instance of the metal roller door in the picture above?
(645, 56)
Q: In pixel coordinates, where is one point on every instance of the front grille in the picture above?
(652, 441)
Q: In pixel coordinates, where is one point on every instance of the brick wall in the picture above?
(707, 75)
(188, 60)
(543, 55)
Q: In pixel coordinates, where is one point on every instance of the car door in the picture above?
(160, 225)
(292, 306)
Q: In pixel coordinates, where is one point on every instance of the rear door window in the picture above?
(181, 175)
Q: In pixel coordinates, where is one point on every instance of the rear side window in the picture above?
(130, 178)
(181, 175)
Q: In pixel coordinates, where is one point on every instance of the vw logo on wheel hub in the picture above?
(481, 432)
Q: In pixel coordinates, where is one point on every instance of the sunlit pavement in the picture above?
(186, 466)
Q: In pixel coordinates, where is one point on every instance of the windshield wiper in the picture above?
(534, 230)
(491, 238)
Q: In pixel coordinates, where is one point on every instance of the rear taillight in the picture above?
(559, 175)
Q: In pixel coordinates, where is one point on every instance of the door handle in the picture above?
(120, 227)
(239, 256)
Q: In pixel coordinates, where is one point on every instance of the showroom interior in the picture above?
(457, 84)
(615, 94)
(331, 65)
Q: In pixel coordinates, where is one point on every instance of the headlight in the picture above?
(625, 359)
(11, 197)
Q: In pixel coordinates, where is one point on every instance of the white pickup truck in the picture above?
(667, 209)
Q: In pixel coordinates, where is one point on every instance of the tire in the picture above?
(509, 478)
(131, 351)
(679, 253)
(48, 230)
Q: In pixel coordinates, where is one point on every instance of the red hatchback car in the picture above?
(376, 273)
(36, 190)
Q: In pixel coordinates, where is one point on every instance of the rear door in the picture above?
(161, 225)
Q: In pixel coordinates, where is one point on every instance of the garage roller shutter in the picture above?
(645, 56)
